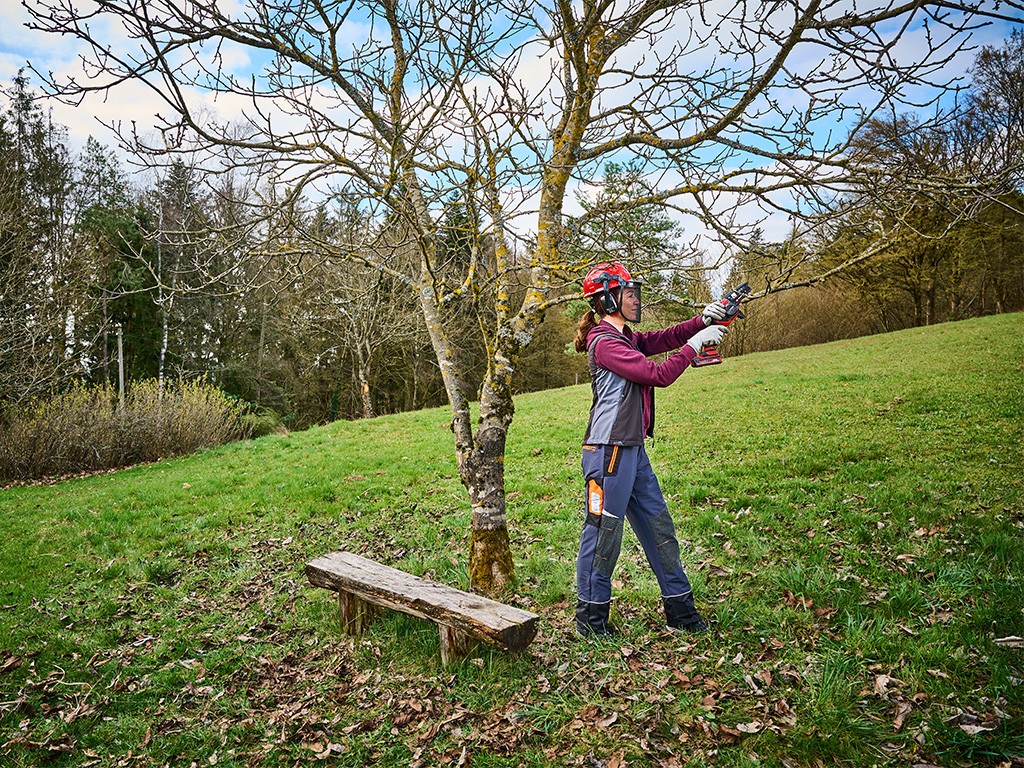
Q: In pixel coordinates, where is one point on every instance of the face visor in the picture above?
(630, 303)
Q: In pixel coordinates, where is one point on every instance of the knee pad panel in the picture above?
(664, 531)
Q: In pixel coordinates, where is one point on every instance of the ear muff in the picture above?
(607, 299)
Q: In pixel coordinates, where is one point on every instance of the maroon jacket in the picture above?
(623, 379)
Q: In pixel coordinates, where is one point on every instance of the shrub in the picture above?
(85, 428)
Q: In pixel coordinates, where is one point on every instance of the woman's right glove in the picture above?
(712, 336)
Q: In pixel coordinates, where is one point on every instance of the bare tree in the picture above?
(993, 122)
(510, 105)
(951, 186)
(357, 312)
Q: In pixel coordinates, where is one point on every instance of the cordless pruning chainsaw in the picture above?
(731, 301)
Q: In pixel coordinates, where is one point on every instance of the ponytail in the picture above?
(587, 322)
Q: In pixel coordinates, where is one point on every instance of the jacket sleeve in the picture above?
(654, 342)
(617, 355)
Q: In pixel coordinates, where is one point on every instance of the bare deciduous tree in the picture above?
(729, 106)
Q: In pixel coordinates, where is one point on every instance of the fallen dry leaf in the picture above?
(974, 730)
(729, 734)
(749, 680)
(330, 749)
(903, 709)
(1010, 642)
(684, 680)
(882, 683)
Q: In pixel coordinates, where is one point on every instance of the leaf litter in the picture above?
(315, 697)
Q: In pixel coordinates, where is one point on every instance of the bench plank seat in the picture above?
(462, 617)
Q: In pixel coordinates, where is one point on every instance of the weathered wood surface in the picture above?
(490, 621)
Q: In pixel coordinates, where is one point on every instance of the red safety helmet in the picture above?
(603, 285)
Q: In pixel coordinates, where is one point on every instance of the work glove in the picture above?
(712, 335)
(713, 313)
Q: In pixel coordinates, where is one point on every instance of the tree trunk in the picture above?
(259, 350)
(482, 471)
(367, 400)
(363, 374)
(165, 304)
(491, 568)
(480, 459)
(106, 342)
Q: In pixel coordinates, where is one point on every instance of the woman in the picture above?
(620, 483)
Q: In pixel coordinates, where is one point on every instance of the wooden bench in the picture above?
(464, 619)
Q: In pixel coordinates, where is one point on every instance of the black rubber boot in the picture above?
(592, 619)
(681, 614)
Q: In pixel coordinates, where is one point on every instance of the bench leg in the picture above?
(355, 614)
(456, 644)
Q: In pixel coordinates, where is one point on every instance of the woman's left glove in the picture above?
(713, 313)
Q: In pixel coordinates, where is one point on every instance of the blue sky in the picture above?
(19, 45)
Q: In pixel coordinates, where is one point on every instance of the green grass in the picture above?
(857, 543)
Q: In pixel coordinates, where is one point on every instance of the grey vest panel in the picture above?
(616, 415)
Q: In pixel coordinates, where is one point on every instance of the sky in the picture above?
(132, 102)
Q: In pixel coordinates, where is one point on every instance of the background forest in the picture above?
(169, 275)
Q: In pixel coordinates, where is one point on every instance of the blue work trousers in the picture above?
(621, 485)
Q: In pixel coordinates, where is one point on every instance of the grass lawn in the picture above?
(858, 546)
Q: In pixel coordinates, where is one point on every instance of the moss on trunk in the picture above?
(491, 569)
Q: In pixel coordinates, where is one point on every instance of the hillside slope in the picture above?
(857, 544)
